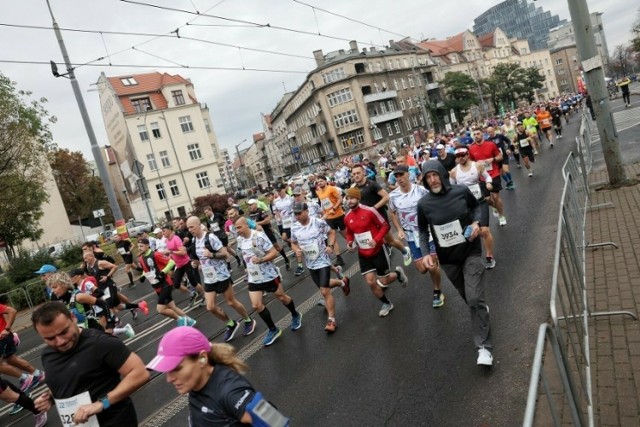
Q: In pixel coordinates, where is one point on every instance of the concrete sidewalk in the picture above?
(613, 283)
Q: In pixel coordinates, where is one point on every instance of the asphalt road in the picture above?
(415, 367)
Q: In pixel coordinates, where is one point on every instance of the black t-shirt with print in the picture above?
(91, 366)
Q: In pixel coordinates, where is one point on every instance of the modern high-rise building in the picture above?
(518, 19)
(163, 151)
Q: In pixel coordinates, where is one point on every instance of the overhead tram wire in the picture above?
(192, 67)
(173, 35)
(348, 18)
(242, 21)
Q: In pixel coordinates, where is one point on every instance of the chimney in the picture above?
(364, 50)
(372, 49)
(319, 56)
(341, 51)
(353, 45)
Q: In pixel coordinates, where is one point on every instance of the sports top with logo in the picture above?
(311, 239)
(214, 270)
(284, 206)
(258, 244)
(405, 206)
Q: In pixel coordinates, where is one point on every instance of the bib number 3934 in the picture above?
(68, 407)
(449, 234)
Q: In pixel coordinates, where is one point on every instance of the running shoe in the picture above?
(144, 307)
(192, 298)
(249, 327)
(491, 263)
(406, 256)
(495, 212)
(40, 420)
(518, 165)
(231, 331)
(28, 384)
(271, 336)
(132, 285)
(128, 331)
(287, 266)
(503, 221)
(339, 261)
(346, 289)
(299, 270)
(191, 322)
(331, 326)
(510, 186)
(339, 272)
(484, 357)
(535, 152)
(296, 321)
(438, 299)
(551, 144)
(182, 321)
(16, 408)
(134, 313)
(530, 173)
(385, 309)
(402, 278)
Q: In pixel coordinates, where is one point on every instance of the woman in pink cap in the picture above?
(212, 375)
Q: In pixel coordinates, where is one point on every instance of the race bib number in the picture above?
(215, 227)
(449, 234)
(151, 277)
(546, 123)
(524, 142)
(488, 165)
(106, 293)
(209, 273)
(326, 204)
(287, 222)
(255, 275)
(475, 190)
(311, 252)
(121, 251)
(365, 240)
(68, 407)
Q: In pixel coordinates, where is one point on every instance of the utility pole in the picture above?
(594, 76)
(95, 149)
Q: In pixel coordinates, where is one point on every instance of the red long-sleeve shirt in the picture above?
(362, 220)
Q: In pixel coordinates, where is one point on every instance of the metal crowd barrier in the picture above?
(567, 397)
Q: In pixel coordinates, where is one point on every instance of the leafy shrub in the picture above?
(24, 266)
(70, 255)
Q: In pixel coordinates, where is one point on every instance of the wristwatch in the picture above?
(105, 402)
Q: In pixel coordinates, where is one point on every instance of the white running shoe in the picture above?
(385, 309)
(484, 357)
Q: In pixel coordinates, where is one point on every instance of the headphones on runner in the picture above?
(203, 360)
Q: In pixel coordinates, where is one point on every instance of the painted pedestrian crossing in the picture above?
(623, 120)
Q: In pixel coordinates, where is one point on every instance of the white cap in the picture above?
(439, 147)
(252, 201)
(157, 230)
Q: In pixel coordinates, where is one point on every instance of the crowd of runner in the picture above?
(432, 202)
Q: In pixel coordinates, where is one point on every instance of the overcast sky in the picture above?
(235, 98)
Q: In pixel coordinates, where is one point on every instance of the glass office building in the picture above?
(520, 19)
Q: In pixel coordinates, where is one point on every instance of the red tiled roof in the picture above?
(148, 84)
(487, 40)
(443, 47)
(258, 137)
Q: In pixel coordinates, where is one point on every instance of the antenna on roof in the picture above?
(285, 88)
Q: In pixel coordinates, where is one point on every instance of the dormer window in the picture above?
(128, 81)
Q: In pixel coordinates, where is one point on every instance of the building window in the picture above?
(391, 64)
(152, 162)
(155, 130)
(203, 180)
(182, 212)
(178, 97)
(405, 63)
(142, 131)
(377, 134)
(164, 159)
(402, 103)
(194, 151)
(396, 123)
(558, 61)
(411, 81)
(407, 123)
(185, 124)
(207, 126)
(415, 121)
(560, 71)
(352, 140)
(404, 83)
(128, 81)
(160, 189)
(376, 88)
(339, 97)
(409, 102)
(346, 118)
(421, 120)
(383, 108)
(334, 75)
(390, 106)
(173, 187)
(397, 63)
(141, 104)
(395, 84)
(389, 129)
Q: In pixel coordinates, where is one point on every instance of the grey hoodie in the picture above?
(444, 215)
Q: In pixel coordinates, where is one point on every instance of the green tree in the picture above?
(24, 138)
(81, 192)
(461, 94)
(635, 41)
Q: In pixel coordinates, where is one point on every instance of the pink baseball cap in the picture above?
(177, 344)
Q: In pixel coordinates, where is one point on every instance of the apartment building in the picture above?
(163, 152)
(354, 102)
(227, 173)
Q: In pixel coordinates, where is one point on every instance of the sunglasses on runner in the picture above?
(461, 155)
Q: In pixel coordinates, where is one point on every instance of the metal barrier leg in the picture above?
(600, 245)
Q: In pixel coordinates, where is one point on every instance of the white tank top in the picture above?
(469, 177)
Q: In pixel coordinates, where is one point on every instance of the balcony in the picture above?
(432, 86)
(392, 115)
(372, 97)
(349, 128)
